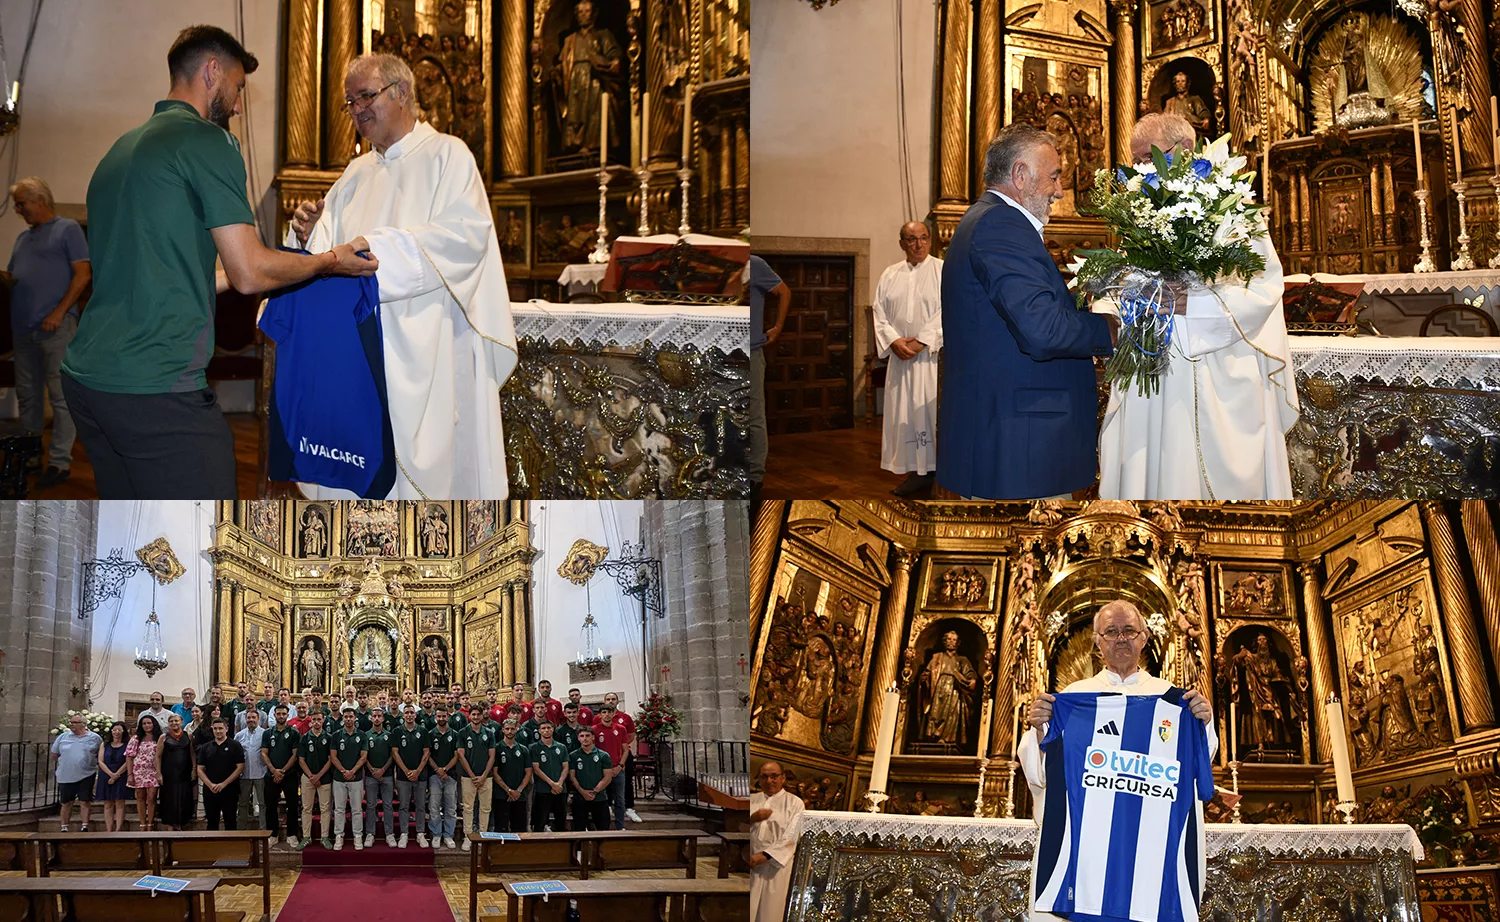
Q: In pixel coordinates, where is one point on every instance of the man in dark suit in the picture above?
(1018, 418)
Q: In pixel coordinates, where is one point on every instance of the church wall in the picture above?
(96, 70)
(185, 606)
(561, 605)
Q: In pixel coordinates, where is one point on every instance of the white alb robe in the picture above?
(909, 302)
(444, 310)
(1217, 428)
(777, 837)
(1032, 760)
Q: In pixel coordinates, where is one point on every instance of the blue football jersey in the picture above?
(1122, 822)
(329, 417)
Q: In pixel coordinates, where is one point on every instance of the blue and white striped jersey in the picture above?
(1122, 825)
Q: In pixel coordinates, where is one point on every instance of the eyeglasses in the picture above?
(1128, 633)
(924, 238)
(363, 100)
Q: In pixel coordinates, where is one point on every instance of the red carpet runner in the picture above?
(378, 884)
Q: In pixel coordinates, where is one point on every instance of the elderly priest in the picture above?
(416, 200)
(773, 842)
(1152, 780)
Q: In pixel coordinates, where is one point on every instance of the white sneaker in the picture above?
(391, 841)
(359, 844)
(338, 843)
(402, 843)
(449, 843)
(421, 841)
(633, 816)
(464, 845)
(369, 840)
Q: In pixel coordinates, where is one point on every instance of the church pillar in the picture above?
(762, 553)
(1376, 204)
(1475, 710)
(888, 654)
(1303, 213)
(742, 170)
(1320, 651)
(343, 44)
(302, 34)
(988, 106)
(507, 637)
(1484, 555)
(237, 645)
(1122, 83)
(1475, 130)
(224, 625)
(523, 642)
(513, 59)
(953, 175)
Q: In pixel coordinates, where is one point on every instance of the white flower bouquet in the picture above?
(98, 721)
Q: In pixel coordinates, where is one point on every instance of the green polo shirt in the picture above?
(379, 747)
(550, 759)
(567, 735)
(348, 746)
(511, 762)
(476, 745)
(527, 734)
(410, 743)
(363, 718)
(444, 746)
(152, 201)
(313, 748)
(231, 711)
(280, 743)
(589, 767)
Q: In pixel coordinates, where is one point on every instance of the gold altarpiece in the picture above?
(1393, 606)
(383, 595)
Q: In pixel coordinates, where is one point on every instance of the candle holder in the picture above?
(644, 175)
(600, 255)
(1425, 264)
(1347, 807)
(1463, 260)
(1495, 181)
(1234, 778)
(1010, 788)
(984, 765)
(685, 174)
(876, 798)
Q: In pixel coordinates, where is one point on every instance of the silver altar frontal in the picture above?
(624, 401)
(862, 867)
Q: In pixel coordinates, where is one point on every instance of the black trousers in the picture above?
(549, 809)
(591, 814)
(290, 788)
(509, 815)
(225, 803)
(154, 446)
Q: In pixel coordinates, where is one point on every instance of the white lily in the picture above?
(1226, 229)
(1076, 265)
(1217, 152)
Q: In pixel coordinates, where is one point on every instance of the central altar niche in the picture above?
(372, 626)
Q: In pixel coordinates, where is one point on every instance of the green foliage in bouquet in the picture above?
(658, 721)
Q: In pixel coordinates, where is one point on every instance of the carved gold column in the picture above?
(523, 642)
(1306, 211)
(987, 103)
(236, 653)
(953, 124)
(762, 553)
(891, 642)
(742, 170)
(1464, 644)
(507, 638)
(1321, 652)
(225, 626)
(1122, 82)
(303, 29)
(343, 40)
(513, 57)
(1476, 129)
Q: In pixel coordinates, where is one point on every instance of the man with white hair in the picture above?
(1216, 429)
(49, 269)
(1120, 637)
(417, 201)
(773, 842)
(908, 318)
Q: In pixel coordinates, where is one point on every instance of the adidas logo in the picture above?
(1109, 729)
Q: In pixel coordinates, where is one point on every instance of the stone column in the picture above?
(1322, 653)
(512, 59)
(892, 641)
(1476, 712)
(989, 107)
(522, 632)
(762, 554)
(507, 638)
(1122, 78)
(953, 124)
(302, 31)
(343, 44)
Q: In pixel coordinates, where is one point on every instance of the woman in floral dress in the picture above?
(141, 754)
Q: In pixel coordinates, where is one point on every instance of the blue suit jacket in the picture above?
(1019, 411)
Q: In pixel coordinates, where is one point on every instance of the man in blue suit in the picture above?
(1019, 411)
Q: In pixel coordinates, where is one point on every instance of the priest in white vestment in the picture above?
(908, 318)
(773, 842)
(1216, 429)
(417, 201)
(1120, 639)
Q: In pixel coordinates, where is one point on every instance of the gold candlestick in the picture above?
(1463, 260)
(984, 765)
(685, 228)
(1425, 264)
(1010, 788)
(1495, 181)
(1234, 776)
(644, 227)
(600, 254)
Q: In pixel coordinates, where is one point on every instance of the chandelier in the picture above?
(150, 655)
(592, 658)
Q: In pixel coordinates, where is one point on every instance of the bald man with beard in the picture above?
(773, 841)
(908, 319)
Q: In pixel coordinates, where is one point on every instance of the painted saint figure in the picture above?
(948, 684)
(312, 666)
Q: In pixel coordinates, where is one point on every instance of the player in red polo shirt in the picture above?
(585, 715)
(610, 736)
(627, 768)
(554, 707)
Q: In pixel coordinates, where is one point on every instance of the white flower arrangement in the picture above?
(98, 721)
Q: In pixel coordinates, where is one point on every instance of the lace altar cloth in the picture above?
(1221, 837)
(1460, 362)
(630, 325)
(1468, 283)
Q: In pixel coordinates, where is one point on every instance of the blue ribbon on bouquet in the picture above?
(1138, 310)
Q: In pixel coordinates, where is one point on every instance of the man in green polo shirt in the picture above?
(567, 734)
(312, 757)
(380, 779)
(442, 787)
(167, 200)
(349, 750)
(279, 751)
(549, 768)
(476, 758)
(589, 771)
(512, 775)
(412, 750)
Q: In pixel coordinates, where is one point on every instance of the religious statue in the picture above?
(434, 666)
(1265, 724)
(372, 656)
(312, 666)
(314, 533)
(1045, 512)
(403, 630)
(589, 65)
(435, 532)
(1358, 88)
(1187, 105)
(1187, 582)
(948, 684)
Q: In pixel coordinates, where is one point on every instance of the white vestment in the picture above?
(444, 310)
(909, 302)
(1217, 428)
(777, 837)
(1032, 759)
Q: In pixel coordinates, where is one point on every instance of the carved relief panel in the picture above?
(1393, 541)
(1262, 673)
(1062, 89)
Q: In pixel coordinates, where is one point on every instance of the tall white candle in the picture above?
(1416, 134)
(687, 125)
(1338, 738)
(885, 740)
(1234, 731)
(645, 127)
(603, 128)
(1494, 136)
(1015, 736)
(1458, 148)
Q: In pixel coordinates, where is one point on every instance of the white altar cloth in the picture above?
(629, 325)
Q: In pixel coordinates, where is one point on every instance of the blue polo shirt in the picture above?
(42, 262)
(762, 280)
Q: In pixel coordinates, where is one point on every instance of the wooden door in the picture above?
(810, 368)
